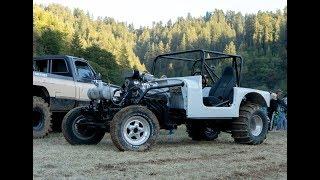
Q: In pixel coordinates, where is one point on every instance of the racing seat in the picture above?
(222, 91)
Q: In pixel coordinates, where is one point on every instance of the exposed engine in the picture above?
(135, 84)
(143, 89)
(100, 92)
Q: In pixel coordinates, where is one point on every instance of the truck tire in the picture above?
(41, 118)
(198, 131)
(77, 135)
(134, 128)
(251, 127)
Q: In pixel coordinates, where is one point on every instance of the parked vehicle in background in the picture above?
(60, 83)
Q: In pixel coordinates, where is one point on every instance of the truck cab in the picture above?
(66, 80)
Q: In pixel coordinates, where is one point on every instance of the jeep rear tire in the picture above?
(251, 127)
(134, 128)
(198, 131)
(41, 118)
(76, 134)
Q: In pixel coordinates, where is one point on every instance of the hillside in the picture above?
(112, 46)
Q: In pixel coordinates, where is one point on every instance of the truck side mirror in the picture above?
(98, 76)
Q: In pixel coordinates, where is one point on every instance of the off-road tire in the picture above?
(241, 127)
(197, 131)
(72, 135)
(118, 122)
(41, 118)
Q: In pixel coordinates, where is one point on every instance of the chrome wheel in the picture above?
(136, 130)
(256, 125)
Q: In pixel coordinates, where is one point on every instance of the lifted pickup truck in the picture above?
(60, 83)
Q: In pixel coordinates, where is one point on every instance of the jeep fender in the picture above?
(256, 96)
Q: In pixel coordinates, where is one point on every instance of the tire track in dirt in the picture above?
(121, 166)
(259, 173)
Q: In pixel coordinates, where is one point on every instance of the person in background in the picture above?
(281, 109)
(273, 105)
(285, 101)
(285, 111)
(282, 102)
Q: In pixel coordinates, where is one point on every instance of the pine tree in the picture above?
(230, 48)
(52, 42)
(182, 45)
(124, 60)
(161, 48)
(76, 46)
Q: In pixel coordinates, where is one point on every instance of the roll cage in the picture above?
(203, 56)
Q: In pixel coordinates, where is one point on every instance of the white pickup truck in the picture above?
(60, 83)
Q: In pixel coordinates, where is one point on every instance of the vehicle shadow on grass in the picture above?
(188, 141)
(164, 141)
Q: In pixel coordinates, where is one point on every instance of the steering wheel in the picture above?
(204, 78)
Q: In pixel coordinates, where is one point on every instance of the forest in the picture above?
(111, 46)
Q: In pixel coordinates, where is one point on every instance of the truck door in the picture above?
(84, 76)
(60, 80)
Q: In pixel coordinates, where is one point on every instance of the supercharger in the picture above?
(101, 91)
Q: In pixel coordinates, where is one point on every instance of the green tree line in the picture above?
(112, 46)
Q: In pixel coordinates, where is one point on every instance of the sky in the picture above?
(144, 12)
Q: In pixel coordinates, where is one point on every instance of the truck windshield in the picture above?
(83, 70)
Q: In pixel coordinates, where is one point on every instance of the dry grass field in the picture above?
(176, 157)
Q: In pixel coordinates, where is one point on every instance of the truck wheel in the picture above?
(134, 128)
(41, 118)
(76, 134)
(200, 131)
(252, 125)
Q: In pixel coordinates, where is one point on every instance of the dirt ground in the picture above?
(175, 157)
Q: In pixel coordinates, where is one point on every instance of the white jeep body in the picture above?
(191, 99)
